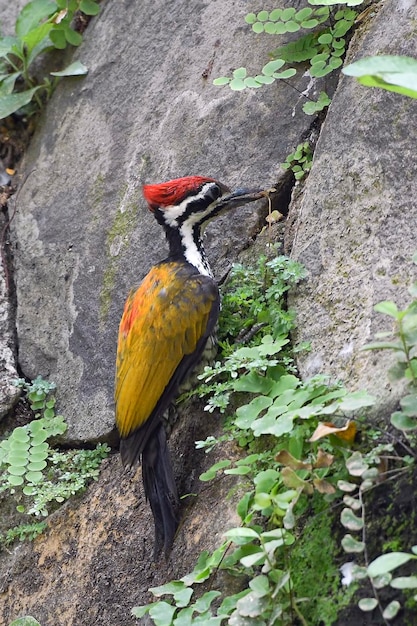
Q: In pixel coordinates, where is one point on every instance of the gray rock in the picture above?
(356, 222)
(9, 393)
(145, 112)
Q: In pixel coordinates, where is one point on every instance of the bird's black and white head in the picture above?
(184, 205)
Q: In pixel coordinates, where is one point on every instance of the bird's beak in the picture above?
(242, 196)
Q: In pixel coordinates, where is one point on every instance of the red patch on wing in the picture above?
(173, 191)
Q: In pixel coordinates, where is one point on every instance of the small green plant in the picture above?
(40, 26)
(363, 475)
(31, 470)
(23, 532)
(300, 161)
(284, 469)
(323, 48)
(402, 340)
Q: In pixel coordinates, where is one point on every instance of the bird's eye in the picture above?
(214, 192)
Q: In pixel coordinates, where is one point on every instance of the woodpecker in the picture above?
(163, 332)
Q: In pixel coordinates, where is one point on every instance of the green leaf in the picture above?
(409, 405)
(260, 586)
(140, 611)
(289, 73)
(275, 15)
(72, 36)
(351, 545)
(33, 13)
(241, 532)
(404, 582)
(15, 481)
(239, 471)
(37, 40)
(34, 477)
(367, 604)
(388, 562)
(222, 80)
(247, 413)
(250, 18)
(272, 67)
(403, 422)
(74, 69)
(258, 28)
(288, 14)
(252, 84)
(15, 101)
(212, 471)
(391, 610)
(350, 520)
(356, 400)
(203, 603)
(304, 14)
(326, 38)
(262, 16)
(89, 7)
(393, 73)
(57, 36)
(237, 84)
(162, 613)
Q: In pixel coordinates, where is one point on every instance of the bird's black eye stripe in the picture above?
(200, 204)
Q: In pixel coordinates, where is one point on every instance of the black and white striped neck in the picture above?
(185, 243)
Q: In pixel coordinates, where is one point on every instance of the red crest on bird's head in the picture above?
(173, 191)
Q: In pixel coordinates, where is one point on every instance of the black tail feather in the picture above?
(160, 490)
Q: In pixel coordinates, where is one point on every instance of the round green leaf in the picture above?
(250, 18)
(15, 481)
(240, 72)
(402, 421)
(304, 14)
(351, 545)
(292, 26)
(29, 490)
(262, 16)
(288, 14)
(309, 23)
(275, 15)
(222, 80)
(16, 470)
(252, 83)
(36, 466)
(89, 7)
(367, 604)
(272, 67)
(34, 477)
(326, 38)
(20, 434)
(270, 28)
(391, 610)
(258, 27)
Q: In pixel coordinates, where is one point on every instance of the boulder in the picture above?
(354, 225)
(146, 112)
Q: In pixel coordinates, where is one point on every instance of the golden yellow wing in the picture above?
(165, 322)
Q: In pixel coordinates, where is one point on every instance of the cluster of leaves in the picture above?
(365, 468)
(22, 532)
(300, 161)
(323, 47)
(40, 26)
(31, 470)
(295, 459)
(402, 339)
(285, 469)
